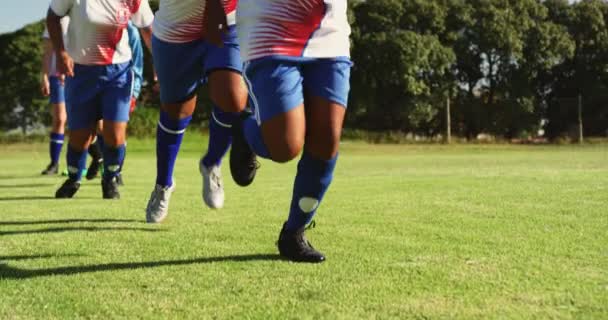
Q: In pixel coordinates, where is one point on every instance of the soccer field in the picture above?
(409, 232)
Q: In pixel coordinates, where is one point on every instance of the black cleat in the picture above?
(51, 169)
(109, 188)
(94, 166)
(294, 246)
(67, 189)
(243, 162)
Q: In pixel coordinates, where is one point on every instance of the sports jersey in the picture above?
(65, 22)
(180, 21)
(97, 31)
(297, 28)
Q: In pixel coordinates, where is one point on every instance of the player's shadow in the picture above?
(8, 272)
(23, 198)
(67, 221)
(76, 229)
(29, 185)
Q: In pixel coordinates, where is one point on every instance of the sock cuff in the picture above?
(173, 126)
(57, 137)
(222, 118)
(318, 165)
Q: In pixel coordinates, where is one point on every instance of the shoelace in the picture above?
(255, 165)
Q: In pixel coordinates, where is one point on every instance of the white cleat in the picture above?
(213, 189)
(158, 205)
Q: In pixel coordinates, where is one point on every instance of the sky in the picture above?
(17, 13)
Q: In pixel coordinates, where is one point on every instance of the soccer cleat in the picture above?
(243, 162)
(109, 188)
(93, 169)
(294, 246)
(158, 205)
(67, 189)
(51, 169)
(213, 189)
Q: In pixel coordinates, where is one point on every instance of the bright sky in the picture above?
(17, 13)
(14, 14)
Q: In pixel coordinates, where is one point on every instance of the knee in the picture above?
(232, 100)
(324, 146)
(286, 151)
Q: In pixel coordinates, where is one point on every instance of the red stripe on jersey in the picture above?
(287, 29)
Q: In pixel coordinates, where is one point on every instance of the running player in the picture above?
(297, 67)
(97, 64)
(184, 58)
(51, 86)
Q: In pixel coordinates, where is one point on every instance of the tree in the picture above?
(20, 102)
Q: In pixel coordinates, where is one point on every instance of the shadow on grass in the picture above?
(38, 256)
(78, 229)
(29, 185)
(31, 222)
(8, 272)
(21, 198)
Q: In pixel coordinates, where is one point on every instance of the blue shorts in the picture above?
(98, 92)
(182, 67)
(57, 90)
(277, 84)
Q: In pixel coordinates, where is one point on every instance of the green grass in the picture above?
(409, 232)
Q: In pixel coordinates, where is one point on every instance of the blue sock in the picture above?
(55, 146)
(112, 160)
(253, 134)
(220, 136)
(124, 157)
(77, 162)
(312, 180)
(100, 142)
(169, 136)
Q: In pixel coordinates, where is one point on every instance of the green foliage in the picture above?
(20, 102)
(509, 67)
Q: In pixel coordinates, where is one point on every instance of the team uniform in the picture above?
(289, 48)
(57, 97)
(102, 85)
(183, 60)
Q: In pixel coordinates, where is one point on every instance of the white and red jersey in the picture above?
(97, 33)
(65, 22)
(180, 21)
(296, 28)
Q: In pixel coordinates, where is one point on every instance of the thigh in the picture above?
(83, 104)
(328, 79)
(223, 68)
(276, 93)
(326, 97)
(116, 93)
(275, 87)
(179, 67)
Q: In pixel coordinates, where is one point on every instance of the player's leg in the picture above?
(180, 71)
(59, 117)
(228, 95)
(277, 129)
(116, 101)
(120, 178)
(95, 150)
(83, 110)
(326, 84)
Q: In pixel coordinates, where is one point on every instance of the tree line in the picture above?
(510, 68)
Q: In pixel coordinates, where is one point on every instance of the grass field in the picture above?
(409, 232)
